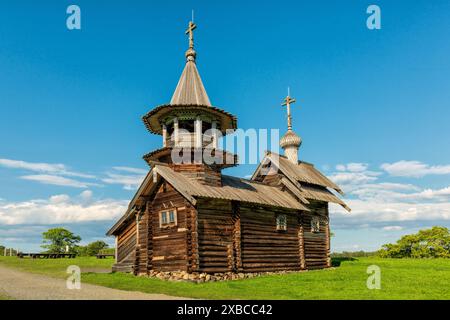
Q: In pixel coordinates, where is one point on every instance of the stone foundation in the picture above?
(206, 277)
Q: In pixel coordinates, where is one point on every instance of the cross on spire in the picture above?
(287, 102)
(190, 32)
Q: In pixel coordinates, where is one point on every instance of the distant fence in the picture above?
(46, 255)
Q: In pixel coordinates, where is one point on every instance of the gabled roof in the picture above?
(190, 89)
(302, 172)
(233, 189)
(304, 192)
(302, 179)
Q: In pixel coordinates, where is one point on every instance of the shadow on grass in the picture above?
(336, 262)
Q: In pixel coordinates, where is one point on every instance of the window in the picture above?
(171, 216)
(315, 224)
(281, 222)
(164, 217)
(168, 218)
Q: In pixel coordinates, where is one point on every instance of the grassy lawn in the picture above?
(57, 267)
(400, 279)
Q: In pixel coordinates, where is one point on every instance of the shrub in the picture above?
(427, 243)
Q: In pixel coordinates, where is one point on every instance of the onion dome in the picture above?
(290, 139)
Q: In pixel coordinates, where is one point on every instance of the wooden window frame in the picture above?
(315, 224)
(281, 227)
(168, 224)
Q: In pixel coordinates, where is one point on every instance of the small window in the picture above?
(171, 216)
(167, 218)
(164, 217)
(315, 224)
(281, 222)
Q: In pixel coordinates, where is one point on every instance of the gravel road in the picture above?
(29, 286)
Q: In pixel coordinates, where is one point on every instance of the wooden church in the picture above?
(188, 216)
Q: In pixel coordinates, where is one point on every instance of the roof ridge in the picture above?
(245, 179)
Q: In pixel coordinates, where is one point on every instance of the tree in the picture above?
(427, 243)
(94, 248)
(56, 240)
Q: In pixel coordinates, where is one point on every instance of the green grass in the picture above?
(56, 267)
(400, 279)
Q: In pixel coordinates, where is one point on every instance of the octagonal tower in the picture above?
(190, 126)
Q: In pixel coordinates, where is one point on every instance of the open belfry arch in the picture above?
(188, 216)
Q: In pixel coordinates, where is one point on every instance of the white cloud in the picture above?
(60, 209)
(59, 174)
(430, 194)
(393, 228)
(58, 181)
(55, 169)
(86, 195)
(414, 169)
(128, 181)
(352, 178)
(378, 203)
(60, 198)
(375, 212)
(132, 170)
(352, 167)
(383, 191)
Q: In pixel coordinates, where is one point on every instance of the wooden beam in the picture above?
(192, 238)
(301, 242)
(328, 240)
(116, 253)
(237, 251)
(148, 212)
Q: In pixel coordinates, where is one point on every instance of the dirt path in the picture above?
(28, 286)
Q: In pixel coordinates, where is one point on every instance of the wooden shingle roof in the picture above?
(303, 180)
(233, 189)
(153, 118)
(302, 172)
(190, 89)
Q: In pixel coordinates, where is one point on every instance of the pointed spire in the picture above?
(190, 89)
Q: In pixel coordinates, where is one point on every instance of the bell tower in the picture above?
(191, 126)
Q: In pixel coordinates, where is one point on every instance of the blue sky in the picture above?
(372, 105)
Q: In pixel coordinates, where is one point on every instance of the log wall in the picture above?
(142, 252)
(263, 248)
(200, 172)
(316, 245)
(215, 235)
(221, 236)
(126, 248)
(169, 244)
